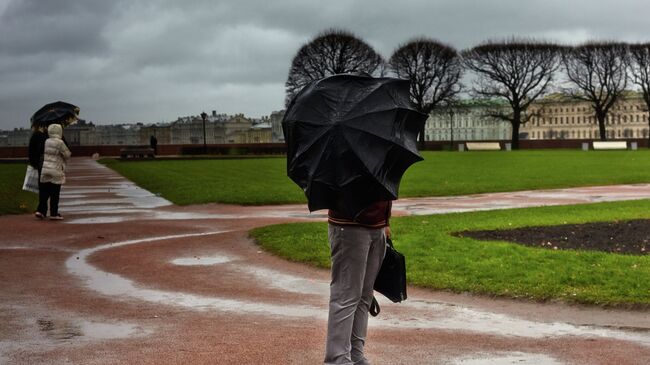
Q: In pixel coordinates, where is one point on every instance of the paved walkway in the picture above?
(129, 278)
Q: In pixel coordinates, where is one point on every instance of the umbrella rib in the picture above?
(376, 89)
(314, 169)
(309, 147)
(394, 141)
(363, 163)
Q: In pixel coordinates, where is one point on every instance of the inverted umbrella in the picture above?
(55, 113)
(350, 139)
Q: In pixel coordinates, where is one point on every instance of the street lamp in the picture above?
(204, 116)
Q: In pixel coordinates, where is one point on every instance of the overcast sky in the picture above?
(156, 60)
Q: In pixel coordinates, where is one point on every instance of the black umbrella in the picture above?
(55, 113)
(350, 139)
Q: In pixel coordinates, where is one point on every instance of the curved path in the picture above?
(128, 278)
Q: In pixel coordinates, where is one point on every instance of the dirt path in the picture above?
(128, 278)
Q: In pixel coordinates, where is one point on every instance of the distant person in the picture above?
(36, 149)
(153, 142)
(55, 156)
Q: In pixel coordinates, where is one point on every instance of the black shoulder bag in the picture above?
(391, 279)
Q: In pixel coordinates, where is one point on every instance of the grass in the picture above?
(14, 200)
(233, 181)
(438, 260)
(454, 173)
(264, 181)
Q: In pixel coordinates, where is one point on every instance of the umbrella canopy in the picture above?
(55, 113)
(350, 139)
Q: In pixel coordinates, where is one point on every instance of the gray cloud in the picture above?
(154, 60)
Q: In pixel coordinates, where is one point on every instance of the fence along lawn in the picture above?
(264, 181)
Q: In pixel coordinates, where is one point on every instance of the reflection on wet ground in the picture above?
(38, 329)
(64, 329)
(511, 358)
(522, 199)
(410, 314)
(115, 200)
(202, 260)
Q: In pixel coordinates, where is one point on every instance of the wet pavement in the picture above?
(129, 278)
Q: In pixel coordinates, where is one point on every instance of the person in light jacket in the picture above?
(55, 156)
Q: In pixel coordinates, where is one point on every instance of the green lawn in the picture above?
(438, 260)
(13, 200)
(264, 181)
(454, 173)
(235, 181)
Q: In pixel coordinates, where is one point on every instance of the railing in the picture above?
(281, 148)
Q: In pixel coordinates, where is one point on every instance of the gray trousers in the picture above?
(357, 253)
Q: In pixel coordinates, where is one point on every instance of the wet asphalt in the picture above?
(129, 278)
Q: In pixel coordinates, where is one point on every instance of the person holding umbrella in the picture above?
(349, 141)
(60, 113)
(357, 247)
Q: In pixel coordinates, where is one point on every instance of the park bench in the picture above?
(136, 152)
(609, 145)
(483, 146)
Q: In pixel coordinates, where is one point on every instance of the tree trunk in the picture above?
(515, 135)
(421, 138)
(516, 123)
(649, 127)
(601, 126)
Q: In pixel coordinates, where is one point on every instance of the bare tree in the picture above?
(518, 71)
(598, 72)
(434, 70)
(331, 52)
(640, 72)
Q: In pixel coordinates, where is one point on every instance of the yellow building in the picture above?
(259, 133)
(559, 116)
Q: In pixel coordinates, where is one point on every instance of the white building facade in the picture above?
(468, 121)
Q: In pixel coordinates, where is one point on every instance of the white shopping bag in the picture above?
(31, 180)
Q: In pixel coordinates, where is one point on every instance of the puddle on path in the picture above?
(290, 283)
(268, 277)
(511, 358)
(417, 314)
(129, 214)
(120, 288)
(99, 220)
(202, 260)
(39, 329)
(18, 248)
(71, 203)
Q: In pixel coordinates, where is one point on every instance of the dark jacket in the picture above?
(376, 215)
(36, 149)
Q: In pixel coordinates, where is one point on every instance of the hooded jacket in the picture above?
(55, 156)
